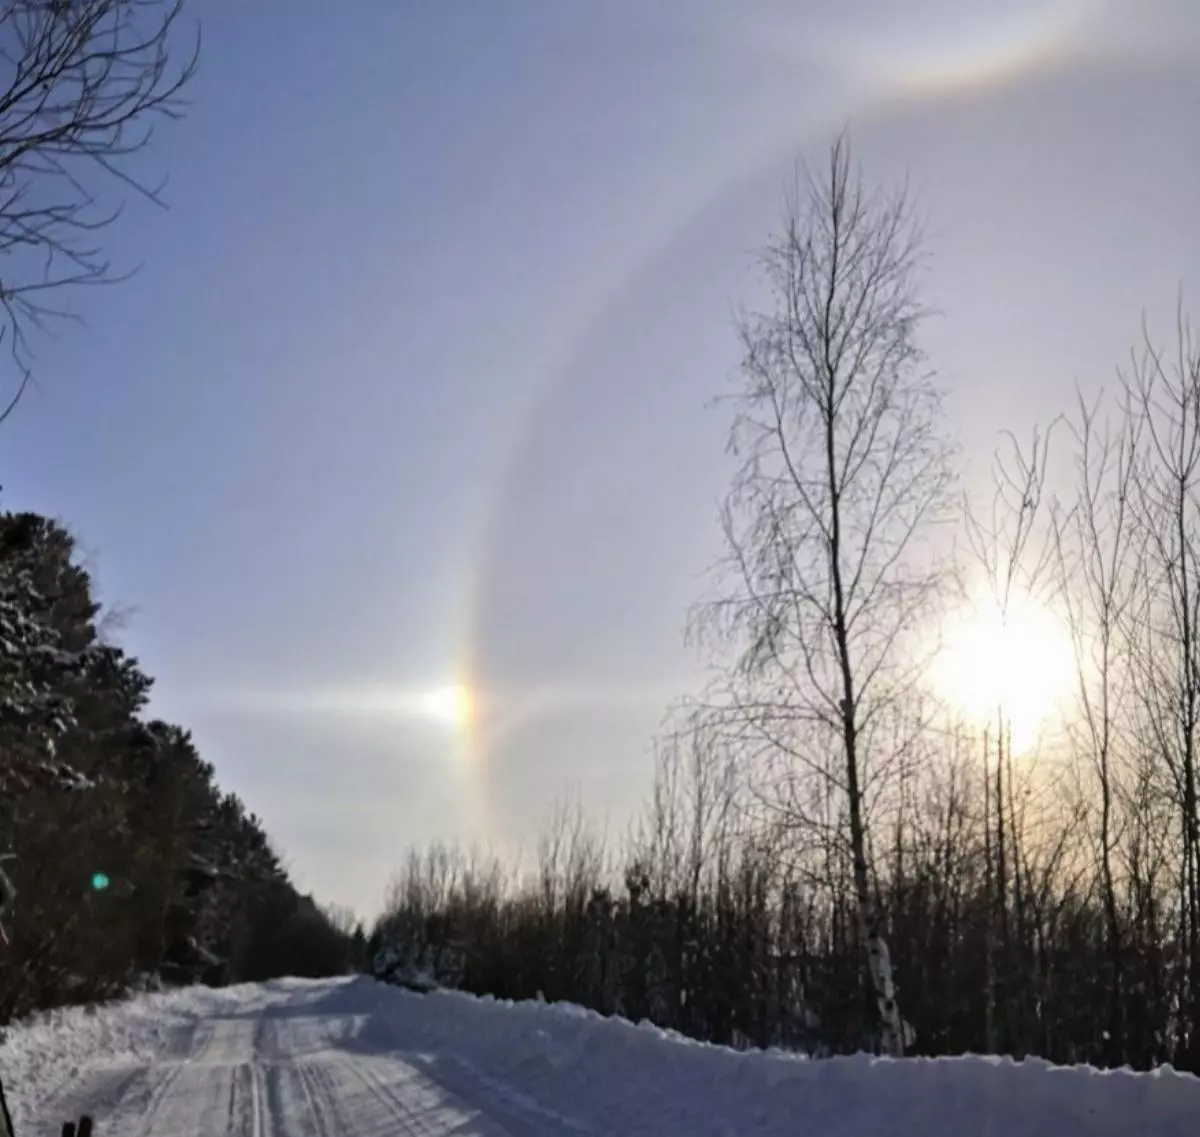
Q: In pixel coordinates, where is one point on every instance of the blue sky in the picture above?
(413, 386)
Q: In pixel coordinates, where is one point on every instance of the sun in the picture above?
(450, 704)
(1018, 666)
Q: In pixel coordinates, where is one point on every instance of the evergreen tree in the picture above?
(129, 863)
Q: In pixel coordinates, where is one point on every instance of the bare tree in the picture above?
(842, 471)
(341, 917)
(693, 810)
(1097, 558)
(1164, 391)
(1014, 564)
(1004, 543)
(81, 85)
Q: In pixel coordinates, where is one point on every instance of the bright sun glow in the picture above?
(451, 705)
(1021, 666)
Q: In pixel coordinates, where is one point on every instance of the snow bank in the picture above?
(609, 1076)
(570, 1071)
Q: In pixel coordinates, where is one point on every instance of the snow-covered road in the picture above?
(352, 1058)
(287, 1060)
(282, 1075)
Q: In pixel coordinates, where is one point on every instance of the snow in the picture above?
(354, 1058)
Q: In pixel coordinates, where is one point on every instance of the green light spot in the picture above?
(99, 881)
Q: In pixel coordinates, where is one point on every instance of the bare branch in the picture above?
(82, 83)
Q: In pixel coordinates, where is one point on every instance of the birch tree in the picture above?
(842, 470)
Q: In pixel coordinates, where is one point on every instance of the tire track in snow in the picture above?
(425, 1104)
(170, 1074)
(318, 1112)
(524, 1115)
(292, 1105)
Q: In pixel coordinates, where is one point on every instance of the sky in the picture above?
(414, 385)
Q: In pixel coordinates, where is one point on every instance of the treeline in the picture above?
(698, 926)
(833, 859)
(130, 865)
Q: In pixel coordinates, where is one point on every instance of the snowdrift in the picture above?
(615, 1077)
(41, 1058)
(579, 1073)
